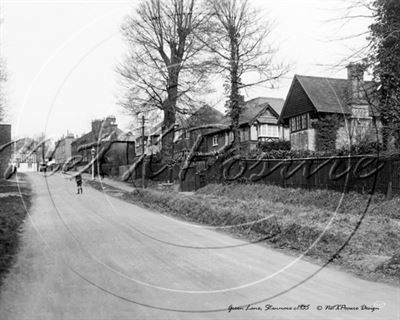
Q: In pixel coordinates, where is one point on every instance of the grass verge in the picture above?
(13, 198)
(324, 225)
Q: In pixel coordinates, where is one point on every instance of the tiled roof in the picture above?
(204, 115)
(253, 110)
(328, 94)
(253, 107)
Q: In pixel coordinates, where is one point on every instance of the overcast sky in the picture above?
(61, 56)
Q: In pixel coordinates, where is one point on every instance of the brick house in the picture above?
(258, 122)
(186, 133)
(310, 99)
(63, 151)
(121, 152)
(100, 129)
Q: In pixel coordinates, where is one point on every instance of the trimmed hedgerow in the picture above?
(268, 146)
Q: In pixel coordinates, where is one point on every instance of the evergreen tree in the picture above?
(385, 58)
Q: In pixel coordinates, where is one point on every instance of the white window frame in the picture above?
(304, 121)
(215, 140)
(272, 131)
(263, 130)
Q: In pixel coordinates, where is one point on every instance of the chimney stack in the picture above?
(96, 127)
(355, 76)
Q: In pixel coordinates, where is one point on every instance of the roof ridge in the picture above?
(320, 77)
(262, 97)
(328, 78)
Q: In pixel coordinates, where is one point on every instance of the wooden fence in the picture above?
(358, 173)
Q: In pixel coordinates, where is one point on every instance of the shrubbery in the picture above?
(266, 151)
(267, 146)
(12, 215)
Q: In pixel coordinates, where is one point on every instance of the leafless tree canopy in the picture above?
(240, 45)
(164, 65)
(241, 40)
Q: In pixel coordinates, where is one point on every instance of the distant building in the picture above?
(23, 156)
(63, 150)
(312, 98)
(146, 134)
(120, 153)
(101, 129)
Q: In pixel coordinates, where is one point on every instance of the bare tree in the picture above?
(240, 47)
(165, 64)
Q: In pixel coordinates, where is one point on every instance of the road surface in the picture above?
(91, 256)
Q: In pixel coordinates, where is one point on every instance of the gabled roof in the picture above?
(327, 95)
(255, 107)
(255, 110)
(204, 115)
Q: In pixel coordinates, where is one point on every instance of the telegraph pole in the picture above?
(93, 152)
(143, 162)
(43, 160)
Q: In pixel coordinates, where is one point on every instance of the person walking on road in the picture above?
(78, 180)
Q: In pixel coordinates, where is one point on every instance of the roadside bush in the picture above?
(267, 146)
(12, 215)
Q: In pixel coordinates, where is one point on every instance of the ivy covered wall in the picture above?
(326, 127)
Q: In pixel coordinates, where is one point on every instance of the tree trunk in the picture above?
(234, 94)
(169, 108)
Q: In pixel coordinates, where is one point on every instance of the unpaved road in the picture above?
(94, 257)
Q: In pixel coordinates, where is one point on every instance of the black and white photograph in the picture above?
(199, 159)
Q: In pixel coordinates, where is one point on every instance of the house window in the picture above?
(299, 123)
(263, 130)
(269, 131)
(273, 131)
(304, 121)
(215, 140)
